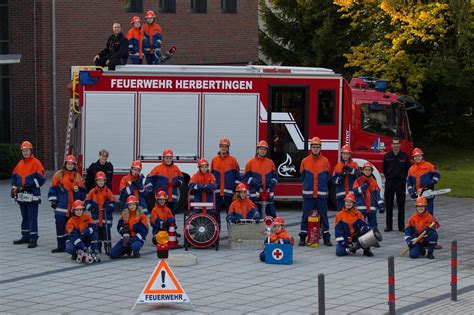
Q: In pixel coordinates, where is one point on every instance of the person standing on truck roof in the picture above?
(27, 178)
(135, 41)
(315, 174)
(396, 164)
(166, 177)
(153, 39)
(115, 52)
(226, 170)
(101, 165)
(261, 176)
(344, 174)
(66, 187)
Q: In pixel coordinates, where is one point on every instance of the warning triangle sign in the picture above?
(162, 287)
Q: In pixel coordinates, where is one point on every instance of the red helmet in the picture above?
(100, 175)
(368, 164)
(350, 196)
(70, 158)
(202, 162)
(279, 221)
(131, 199)
(26, 145)
(421, 201)
(161, 195)
(241, 187)
(224, 141)
(77, 204)
(315, 140)
(150, 14)
(137, 164)
(168, 152)
(346, 148)
(416, 151)
(134, 19)
(262, 143)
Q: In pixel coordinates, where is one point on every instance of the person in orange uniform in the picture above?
(261, 176)
(367, 194)
(153, 38)
(226, 170)
(100, 201)
(27, 178)
(82, 232)
(421, 221)
(349, 225)
(242, 207)
(166, 177)
(422, 175)
(315, 174)
(161, 216)
(203, 184)
(344, 174)
(66, 186)
(135, 41)
(279, 235)
(133, 228)
(132, 184)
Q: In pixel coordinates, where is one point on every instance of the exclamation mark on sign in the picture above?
(163, 274)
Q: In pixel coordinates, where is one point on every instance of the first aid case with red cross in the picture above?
(278, 254)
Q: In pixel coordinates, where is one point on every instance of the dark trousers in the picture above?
(29, 221)
(112, 62)
(395, 187)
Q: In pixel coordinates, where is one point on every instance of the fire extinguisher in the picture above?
(313, 229)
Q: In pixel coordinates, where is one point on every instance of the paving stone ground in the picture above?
(234, 281)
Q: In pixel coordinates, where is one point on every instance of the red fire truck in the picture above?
(137, 111)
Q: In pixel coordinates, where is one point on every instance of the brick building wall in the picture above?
(82, 28)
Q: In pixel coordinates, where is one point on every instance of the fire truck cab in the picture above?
(137, 111)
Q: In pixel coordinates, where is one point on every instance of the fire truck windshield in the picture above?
(381, 119)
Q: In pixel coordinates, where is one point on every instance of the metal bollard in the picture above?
(391, 285)
(321, 298)
(454, 270)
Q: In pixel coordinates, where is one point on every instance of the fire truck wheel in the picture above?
(182, 204)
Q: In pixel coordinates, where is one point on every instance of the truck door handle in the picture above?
(362, 148)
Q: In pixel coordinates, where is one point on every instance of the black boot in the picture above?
(368, 253)
(327, 243)
(58, 250)
(302, 241)
(136, 255)
(423, 252)
(32, 244)
(74, 256)
(20, 241)
(430, 256)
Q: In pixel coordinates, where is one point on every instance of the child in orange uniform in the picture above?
(82, 233)
(161, 216)
(242, 207)
(279, 235)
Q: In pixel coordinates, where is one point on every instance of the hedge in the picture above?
(10, 154)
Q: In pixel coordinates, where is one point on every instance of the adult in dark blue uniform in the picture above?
(396, 164)
(116, 50)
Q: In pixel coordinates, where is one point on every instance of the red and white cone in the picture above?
(172, 242)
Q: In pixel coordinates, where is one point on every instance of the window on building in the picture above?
(199, 6)
(167, 6)
(229, 6)
(134, 6)
(326, 107)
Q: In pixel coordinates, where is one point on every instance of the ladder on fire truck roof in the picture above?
(237, 70)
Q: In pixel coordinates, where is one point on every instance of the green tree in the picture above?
(426, 50)
(304, 33)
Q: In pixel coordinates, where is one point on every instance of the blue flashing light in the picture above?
(86, 79)
(381, 85)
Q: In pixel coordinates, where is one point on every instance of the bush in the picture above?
(10, 155)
